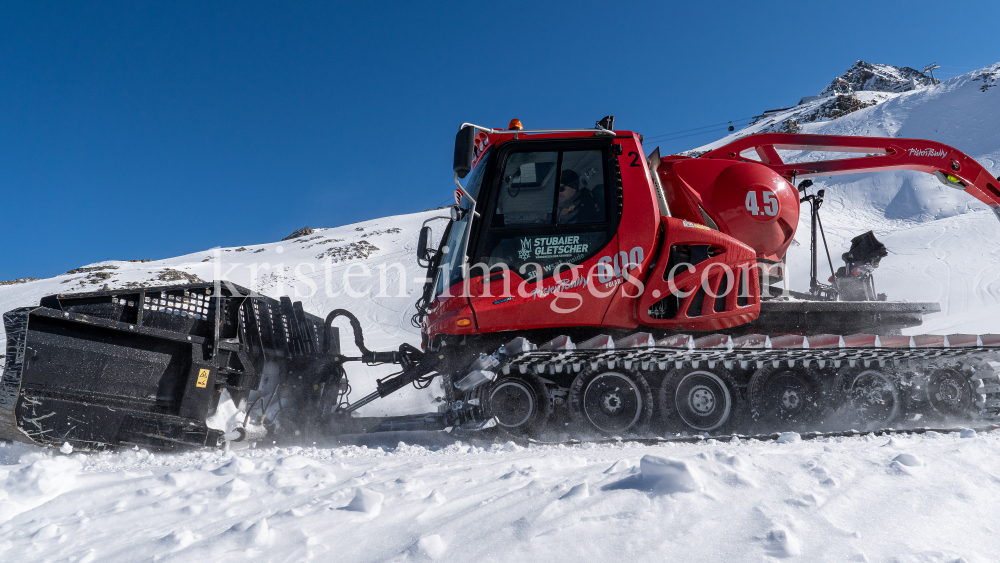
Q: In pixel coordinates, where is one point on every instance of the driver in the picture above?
(576, 205)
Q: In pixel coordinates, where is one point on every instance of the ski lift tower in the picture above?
(930, 68)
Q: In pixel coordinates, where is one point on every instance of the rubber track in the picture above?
(569, 361)
(661, 358)
(657, 357)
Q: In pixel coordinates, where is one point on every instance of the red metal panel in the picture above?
(708, 274)
(637, 235)
(747, 201)
(448, 309)
(569, 299)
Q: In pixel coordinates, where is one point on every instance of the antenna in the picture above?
(930, 68)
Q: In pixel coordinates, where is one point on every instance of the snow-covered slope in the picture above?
(358, 267)
(916, 498)
(941, 241)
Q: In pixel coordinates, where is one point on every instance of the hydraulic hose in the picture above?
(359, 339)
(407, 356)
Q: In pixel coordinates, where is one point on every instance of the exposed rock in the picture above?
(87, 269)
(989, 79)
(391, 231)
(299, 233)
(171, 275)
(353, 251)
(18, 280)
(96, 275)
(320, 240)
(833, 108)
(879, 78)
(837, 106)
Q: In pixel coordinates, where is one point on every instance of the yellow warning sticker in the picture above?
(202, 378)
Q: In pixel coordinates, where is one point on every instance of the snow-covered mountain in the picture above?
(877, 78)
(917, 498)
(939, 239)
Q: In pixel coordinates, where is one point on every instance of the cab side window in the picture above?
(581, 188)
(527, 188)
(550, 187)
(550, 209)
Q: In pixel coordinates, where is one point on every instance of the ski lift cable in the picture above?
(675, 137)
(700, 128)
(716, 131)
(651, 137)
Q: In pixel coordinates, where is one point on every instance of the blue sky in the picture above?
(134, 130)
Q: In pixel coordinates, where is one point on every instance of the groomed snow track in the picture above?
(772, 437)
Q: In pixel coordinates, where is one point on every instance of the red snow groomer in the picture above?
(621, 291)
(579, 287)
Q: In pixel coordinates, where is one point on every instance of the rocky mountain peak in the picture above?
(874, 77)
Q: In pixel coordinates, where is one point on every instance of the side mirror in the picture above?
(805, 184)
(465, 142)
(422, 251)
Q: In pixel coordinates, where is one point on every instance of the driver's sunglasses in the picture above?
(564, 187)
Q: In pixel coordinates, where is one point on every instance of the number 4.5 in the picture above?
(770, 203)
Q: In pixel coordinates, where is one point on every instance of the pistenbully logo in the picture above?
(928, 152)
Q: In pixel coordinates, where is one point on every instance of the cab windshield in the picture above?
(450, 272)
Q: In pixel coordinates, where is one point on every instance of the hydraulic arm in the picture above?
(951, 166)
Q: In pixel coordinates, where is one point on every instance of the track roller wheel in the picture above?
(521, 404)
(951, 393)
(611, 401)
(703, 400)
(871, 395)
(785, 395)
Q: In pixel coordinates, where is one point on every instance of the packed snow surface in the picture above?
(925, 498)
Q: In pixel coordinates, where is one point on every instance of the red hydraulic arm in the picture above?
(950, 165)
